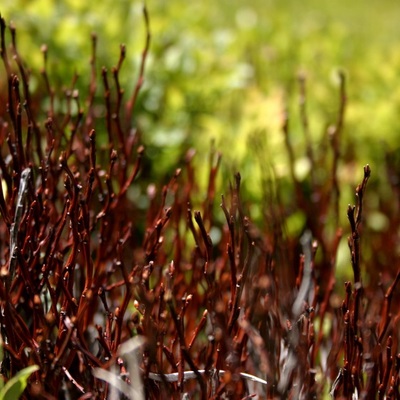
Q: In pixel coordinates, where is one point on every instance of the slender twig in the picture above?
(15, 226)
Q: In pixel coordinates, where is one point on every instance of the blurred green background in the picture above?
(226, 71)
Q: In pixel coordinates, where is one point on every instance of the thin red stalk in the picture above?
(184, 350)
(385, 314)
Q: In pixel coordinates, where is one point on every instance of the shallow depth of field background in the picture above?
(225, 72)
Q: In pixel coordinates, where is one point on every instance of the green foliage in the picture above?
(223, 72)
(13, 389)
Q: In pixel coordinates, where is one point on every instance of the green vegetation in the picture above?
(14, 388)
(226, 71)
(16, 385)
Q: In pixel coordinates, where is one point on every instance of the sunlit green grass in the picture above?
(209, 59)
